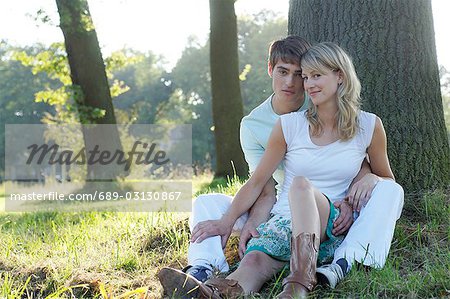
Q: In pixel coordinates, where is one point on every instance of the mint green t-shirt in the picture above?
(254, 134)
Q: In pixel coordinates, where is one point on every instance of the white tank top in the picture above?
(331, 168)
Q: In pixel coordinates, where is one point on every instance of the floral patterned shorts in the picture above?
(275, 238)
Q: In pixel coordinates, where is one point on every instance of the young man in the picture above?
(364, 243)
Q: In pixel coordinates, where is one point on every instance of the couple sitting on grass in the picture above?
(332, 209)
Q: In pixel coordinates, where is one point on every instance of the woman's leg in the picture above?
(255, 269)
(310, 210)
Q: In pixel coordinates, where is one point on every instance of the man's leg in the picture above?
(369, 239)
(209, 253)
(202, 257)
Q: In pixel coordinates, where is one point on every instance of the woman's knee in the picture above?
(301, 183)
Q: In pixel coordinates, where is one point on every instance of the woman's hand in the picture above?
(345, 218)
(360, 192)
(210, 228)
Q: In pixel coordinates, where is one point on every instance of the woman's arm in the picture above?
(247, 195)
(377, 152)
(361, 191)
(249, 192)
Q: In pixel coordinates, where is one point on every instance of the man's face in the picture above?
(287, 82)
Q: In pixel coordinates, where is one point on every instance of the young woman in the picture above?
(323, 149)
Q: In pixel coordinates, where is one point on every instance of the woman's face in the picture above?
(321, 86)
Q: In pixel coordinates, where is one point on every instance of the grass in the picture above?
(117, 255)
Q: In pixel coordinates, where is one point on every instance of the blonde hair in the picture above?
(322, 58)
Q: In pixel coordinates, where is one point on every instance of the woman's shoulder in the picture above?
(294, 116)
(367, 122)
(291, 124)
(366, 114)
(367, 118)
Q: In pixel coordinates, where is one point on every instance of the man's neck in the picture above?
(282, 107)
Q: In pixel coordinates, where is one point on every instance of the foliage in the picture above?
(256, 32)
(53, 62)
(149, 86)
(191, 75)
(17, 89)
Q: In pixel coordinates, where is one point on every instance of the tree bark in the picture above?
(393, 48)
(91, 88)
(225, 88)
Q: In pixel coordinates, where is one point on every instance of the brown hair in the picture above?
(289, 50)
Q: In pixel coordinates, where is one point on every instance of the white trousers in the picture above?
(368, 241)
(209, 252)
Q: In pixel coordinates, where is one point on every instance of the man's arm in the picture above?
(260, 210)
(359, 192)
(365, 169)
(362, 186)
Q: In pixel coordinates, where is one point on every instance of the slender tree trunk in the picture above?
(225, 87)
(393, 47)
(90, 83)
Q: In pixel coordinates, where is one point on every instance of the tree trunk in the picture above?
(225, 88)
(91, 86)
(393, 48)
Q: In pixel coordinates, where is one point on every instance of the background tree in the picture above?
(91, 88)
(225, 88)
(393, 47)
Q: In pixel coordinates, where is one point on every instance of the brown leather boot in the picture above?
(302, 279)
(219, 288)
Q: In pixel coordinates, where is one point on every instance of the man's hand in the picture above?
(210, 228)
(248, 231)
(345, 218)
(359, 194)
